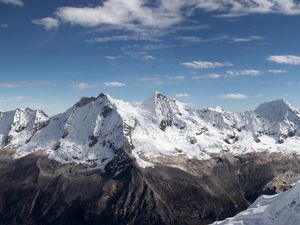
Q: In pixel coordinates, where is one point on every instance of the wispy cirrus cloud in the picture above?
(24, 84)
(3, 25)
(277, 71)
(148, 57)
(120, 38)
(221, 38)
(81, 85)
(208, 76)
(13, 2)
(249, 72)
(178, 77)
(114, 84)
(233, 96)
(109, 57)
(285, 59)
(205, 64)
(48, 23)
(182, 95)
(12, 99)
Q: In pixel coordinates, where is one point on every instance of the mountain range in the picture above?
(106, 161)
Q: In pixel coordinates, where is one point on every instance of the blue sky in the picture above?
(235, 54)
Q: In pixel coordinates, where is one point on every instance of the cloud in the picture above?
(152, 81)
(13, 2)
(12, 99)
(234, 8)
(285, 59)
(49, 23)
(81, 85)
(191, 39)
(205, 64)
(154, 18)
(237, 73)
(179, 77)
(3, 25)
(208, 76)
(233, 96)
(182, 95)
(222, 37)
(134, 15)
(148, 58)
(277, 71)
(118, 38)
(108, 57)
(114, 84)
(24, 84)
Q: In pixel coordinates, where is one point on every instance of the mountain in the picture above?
(278, 209)
(107, 160)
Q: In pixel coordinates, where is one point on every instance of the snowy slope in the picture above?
(94, 129)
(283, 208)
(18, 126)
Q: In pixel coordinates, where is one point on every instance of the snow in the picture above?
(95, 128)
(283, 208)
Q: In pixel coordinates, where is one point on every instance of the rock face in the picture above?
(38, 190)
(104, 161)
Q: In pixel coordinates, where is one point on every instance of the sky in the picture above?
(235, 53)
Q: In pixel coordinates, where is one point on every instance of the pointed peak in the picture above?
(278, 103)
(153, 100)
(276, 110)
(86, 100)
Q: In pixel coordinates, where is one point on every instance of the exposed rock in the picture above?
(37, 190)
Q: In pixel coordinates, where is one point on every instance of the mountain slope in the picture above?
(94, 129)
(283, 208)
(107, 161)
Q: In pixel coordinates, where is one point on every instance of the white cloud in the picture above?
(13, 2)
(146, 17)
(234, 96)
(118, 38)
(277, 71)
(222, 37)
(191, 39)
(114, 84)
(234, 8)
(205, 64)
(179, 77)
(12, 99)
(23, 84)
(251, 72)
(108, 57)
(48, 22)
(208, 76)
(285, 59)
(182, 95)
(148, 57)
(3, 25)
(81, 85)
(133, 15)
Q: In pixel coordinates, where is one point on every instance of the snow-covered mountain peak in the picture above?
(95, 128)
(278, 110)
(18, 126)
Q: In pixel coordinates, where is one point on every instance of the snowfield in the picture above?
(96, 128)
(283, 208)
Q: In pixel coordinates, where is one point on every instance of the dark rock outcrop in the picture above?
(37, 190)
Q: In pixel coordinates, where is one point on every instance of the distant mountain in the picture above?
(162, 162)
